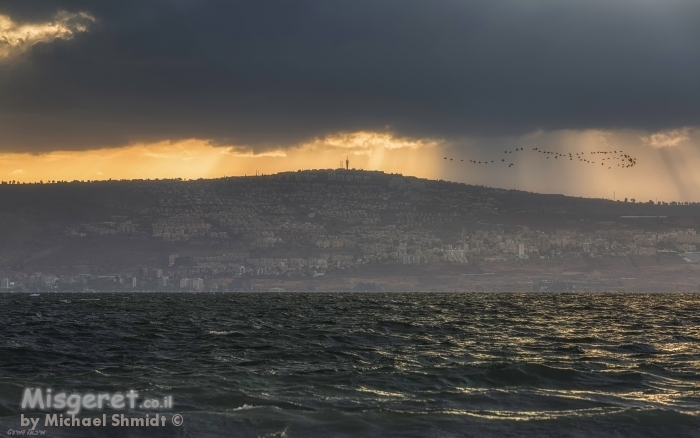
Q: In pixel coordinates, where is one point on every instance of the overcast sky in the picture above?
(211, 88)
(269, 73)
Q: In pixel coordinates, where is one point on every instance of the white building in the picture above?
(691, 257)
(192, 283)
(455, 255)
(404, 258)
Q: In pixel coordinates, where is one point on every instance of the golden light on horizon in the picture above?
(662, 173)
(194, 158)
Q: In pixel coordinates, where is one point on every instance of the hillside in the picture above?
(339, 230)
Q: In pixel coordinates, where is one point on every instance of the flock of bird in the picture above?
(619, 158)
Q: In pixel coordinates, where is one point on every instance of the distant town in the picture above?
(336, 230)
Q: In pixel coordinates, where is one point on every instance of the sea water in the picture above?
(364, 364)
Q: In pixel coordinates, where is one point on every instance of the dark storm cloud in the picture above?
(275, 72)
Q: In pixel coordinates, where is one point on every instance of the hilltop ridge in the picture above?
(332, 229)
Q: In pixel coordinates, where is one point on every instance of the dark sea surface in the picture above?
(365, 364)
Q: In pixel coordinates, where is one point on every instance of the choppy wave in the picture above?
(370, 364)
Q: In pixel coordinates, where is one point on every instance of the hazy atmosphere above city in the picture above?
(131, 89)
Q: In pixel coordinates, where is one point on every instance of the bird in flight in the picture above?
(626, 161)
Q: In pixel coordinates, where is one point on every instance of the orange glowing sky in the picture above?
(115, 92)
(664, 171)
(194, 158)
